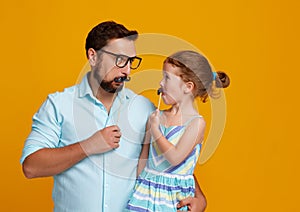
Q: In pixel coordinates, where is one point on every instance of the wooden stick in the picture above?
(119, 109)
(159, 100)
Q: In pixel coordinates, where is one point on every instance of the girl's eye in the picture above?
(166, 76)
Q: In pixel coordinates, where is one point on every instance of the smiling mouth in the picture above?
(122, 79)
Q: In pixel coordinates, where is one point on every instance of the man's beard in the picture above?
(106, 85)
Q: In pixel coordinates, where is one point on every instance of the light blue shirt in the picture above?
(100, 182)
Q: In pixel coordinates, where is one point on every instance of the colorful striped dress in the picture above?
(161, 186)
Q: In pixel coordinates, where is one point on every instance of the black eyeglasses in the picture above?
(122, 60)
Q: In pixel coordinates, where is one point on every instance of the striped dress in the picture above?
(161, 186)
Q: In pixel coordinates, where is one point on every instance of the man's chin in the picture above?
(119, 88)
(112, 88)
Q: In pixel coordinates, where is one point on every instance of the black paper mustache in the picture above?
(122, 79)
(159, 91)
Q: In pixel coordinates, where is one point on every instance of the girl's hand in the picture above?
(154, 118)
(154, 124)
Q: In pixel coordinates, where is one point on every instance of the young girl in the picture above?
(174, 136)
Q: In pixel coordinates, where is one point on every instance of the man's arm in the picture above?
(51, 161)
(197, 203)
(145, 150)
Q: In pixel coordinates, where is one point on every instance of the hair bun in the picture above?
(222, 80)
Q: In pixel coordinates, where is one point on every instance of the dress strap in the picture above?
(191, 119)
(188, 121)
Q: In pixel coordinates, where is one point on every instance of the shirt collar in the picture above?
(84, 87)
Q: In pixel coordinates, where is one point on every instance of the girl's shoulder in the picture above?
(195, 119)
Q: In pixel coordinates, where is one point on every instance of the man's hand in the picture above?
(102, 141)
(197, 203)
(194, 204)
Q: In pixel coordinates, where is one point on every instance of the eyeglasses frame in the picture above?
(122, 55)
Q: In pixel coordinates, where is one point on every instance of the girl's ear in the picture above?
(92, 56)
(189, 86)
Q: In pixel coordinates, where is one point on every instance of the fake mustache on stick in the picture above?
(122, 79)
(159, 92)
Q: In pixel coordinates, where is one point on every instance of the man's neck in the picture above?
(106, 98)
(103, 96)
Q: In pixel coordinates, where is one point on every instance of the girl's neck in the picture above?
(183, 108)
(178, 114)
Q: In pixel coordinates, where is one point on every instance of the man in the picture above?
(89, 136)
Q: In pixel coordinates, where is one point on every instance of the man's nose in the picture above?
(126, 69)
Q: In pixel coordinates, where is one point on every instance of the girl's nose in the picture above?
(161, 83)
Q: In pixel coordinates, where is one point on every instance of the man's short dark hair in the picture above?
(101, 34)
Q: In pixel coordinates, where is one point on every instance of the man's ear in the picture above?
(92, 56)
(189, 86)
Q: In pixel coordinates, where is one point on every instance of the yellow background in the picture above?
(255, 167)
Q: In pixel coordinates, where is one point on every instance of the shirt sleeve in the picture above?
(46, 128)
